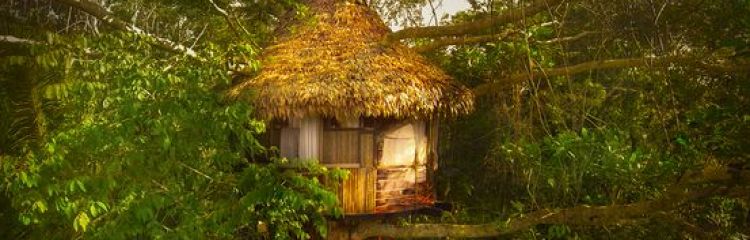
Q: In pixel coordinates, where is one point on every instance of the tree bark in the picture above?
(509, 16)
(110, 19)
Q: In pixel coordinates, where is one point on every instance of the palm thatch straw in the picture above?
(340, 66)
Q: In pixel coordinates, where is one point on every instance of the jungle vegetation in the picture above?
(594, 119)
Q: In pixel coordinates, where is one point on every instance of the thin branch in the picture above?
(222, 11)
(231, 21)
(434, 13)
(508, 16)
(196, 171)
(199, 35)
(103, 14)
(569, 39)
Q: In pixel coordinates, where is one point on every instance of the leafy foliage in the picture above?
(111, 138)
(602, 137)
(142, 149)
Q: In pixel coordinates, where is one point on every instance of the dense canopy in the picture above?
(592, 119)
(339, 65)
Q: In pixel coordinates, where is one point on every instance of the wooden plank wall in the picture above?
(375, 185)
(357, 192)
(368, 163)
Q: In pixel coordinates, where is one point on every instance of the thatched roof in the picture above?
(338, 65)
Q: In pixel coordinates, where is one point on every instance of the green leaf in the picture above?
(80, 185)
(26, 220)
(24, 178)
(102, 205)
(51, 148)
(92, 209)
(40, 206)
(682, 141)
(81, 222)
(166, 143)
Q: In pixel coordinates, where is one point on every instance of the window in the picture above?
(285, 136)
(341, 143)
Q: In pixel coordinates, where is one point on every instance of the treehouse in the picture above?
(335, 92)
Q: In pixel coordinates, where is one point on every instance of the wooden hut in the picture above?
(336, 93)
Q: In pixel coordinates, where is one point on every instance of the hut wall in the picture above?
(390, 163)
(309, 138)
(341, 148)
(349, 122)
(289, 136)
(352, 149)
(421, 143)
(432, 156)
(401, 188)
(289, 145)
(399, 146)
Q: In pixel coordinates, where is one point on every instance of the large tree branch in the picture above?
(508, 16)
(683, 191)
(110, 19)
(609, 64)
